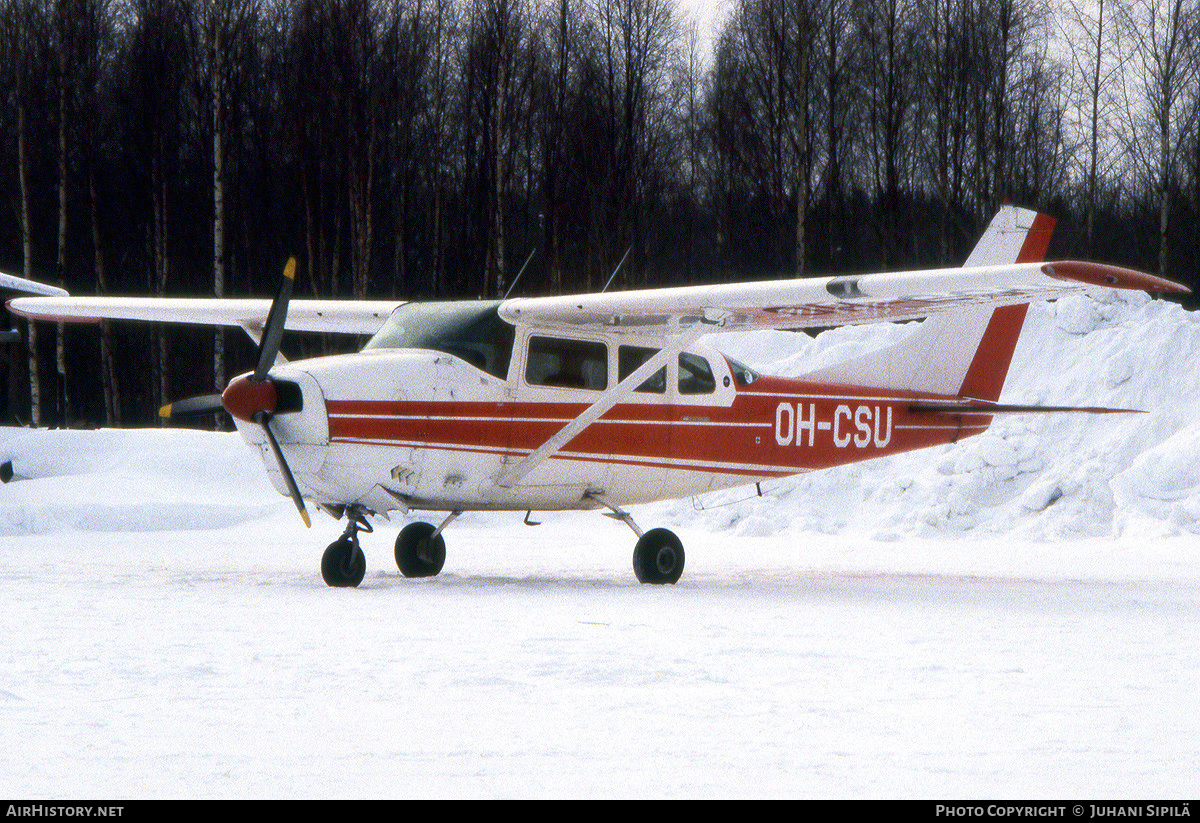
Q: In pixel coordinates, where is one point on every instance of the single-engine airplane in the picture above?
(607, 400)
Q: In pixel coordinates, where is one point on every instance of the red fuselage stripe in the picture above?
(776, 429)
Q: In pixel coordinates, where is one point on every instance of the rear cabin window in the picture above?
(695, 375)
(568, 364)
(629, 358)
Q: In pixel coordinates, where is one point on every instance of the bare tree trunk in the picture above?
(162, 387)
(35, 384)
(500, 127)
(802, 154)
(360, 213)
(334, 244)
(1164, 202)
(310, 243)
(1095, 129)
(60, 354)
(217, 67)
(554, 150)
(437, 126)
(112, 392)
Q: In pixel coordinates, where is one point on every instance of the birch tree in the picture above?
(1161, 36)
(1095, 64)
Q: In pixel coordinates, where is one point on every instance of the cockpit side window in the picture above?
(695, 375)
(472, 332)
(572, 364)
(629, 358)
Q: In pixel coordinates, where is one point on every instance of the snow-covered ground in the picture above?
(1013, 616)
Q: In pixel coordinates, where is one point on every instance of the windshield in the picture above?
(471, 331)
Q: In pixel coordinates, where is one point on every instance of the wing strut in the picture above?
(517, 472)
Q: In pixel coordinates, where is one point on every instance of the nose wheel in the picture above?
(343, 564)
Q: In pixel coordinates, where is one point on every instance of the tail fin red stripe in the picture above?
(1037, 241)
(985, 377)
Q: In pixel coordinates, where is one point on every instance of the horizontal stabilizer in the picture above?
(976, 407)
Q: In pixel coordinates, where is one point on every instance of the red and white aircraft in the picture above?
(606, 400)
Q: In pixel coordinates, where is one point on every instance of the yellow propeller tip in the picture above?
(289, 271)
(307, 522)
(165, 411)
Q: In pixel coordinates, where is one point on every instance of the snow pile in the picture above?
(1041, 477)
(137, 480)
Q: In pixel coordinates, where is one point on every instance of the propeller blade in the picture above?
(276, 318)
(264, 420)
(192, 407)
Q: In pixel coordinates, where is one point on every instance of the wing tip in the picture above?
(1115, 277)
(18, 305)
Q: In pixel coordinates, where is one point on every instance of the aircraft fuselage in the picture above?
(401, 428)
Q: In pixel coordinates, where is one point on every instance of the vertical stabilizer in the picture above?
(1014, 236)
(985, 376)
(962, 353)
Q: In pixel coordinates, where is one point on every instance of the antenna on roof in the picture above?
(617, 269)
(513, 284)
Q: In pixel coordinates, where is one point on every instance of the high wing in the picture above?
(343, 316)
(825, 302)
(773, 304)
(1005, 268)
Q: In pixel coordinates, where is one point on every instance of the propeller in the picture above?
(197, 406)
(263, 419)
(255, 397)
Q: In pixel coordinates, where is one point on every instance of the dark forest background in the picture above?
(428, 148)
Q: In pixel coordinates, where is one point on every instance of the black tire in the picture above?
(658, 557)
(416, 554)
(343, 564)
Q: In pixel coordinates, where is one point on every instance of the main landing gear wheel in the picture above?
(658, 557)
(343, 564)
(416, 554)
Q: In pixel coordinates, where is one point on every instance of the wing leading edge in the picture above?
(340, 316)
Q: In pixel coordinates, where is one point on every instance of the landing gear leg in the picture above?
(658, 555)
(343, 564)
